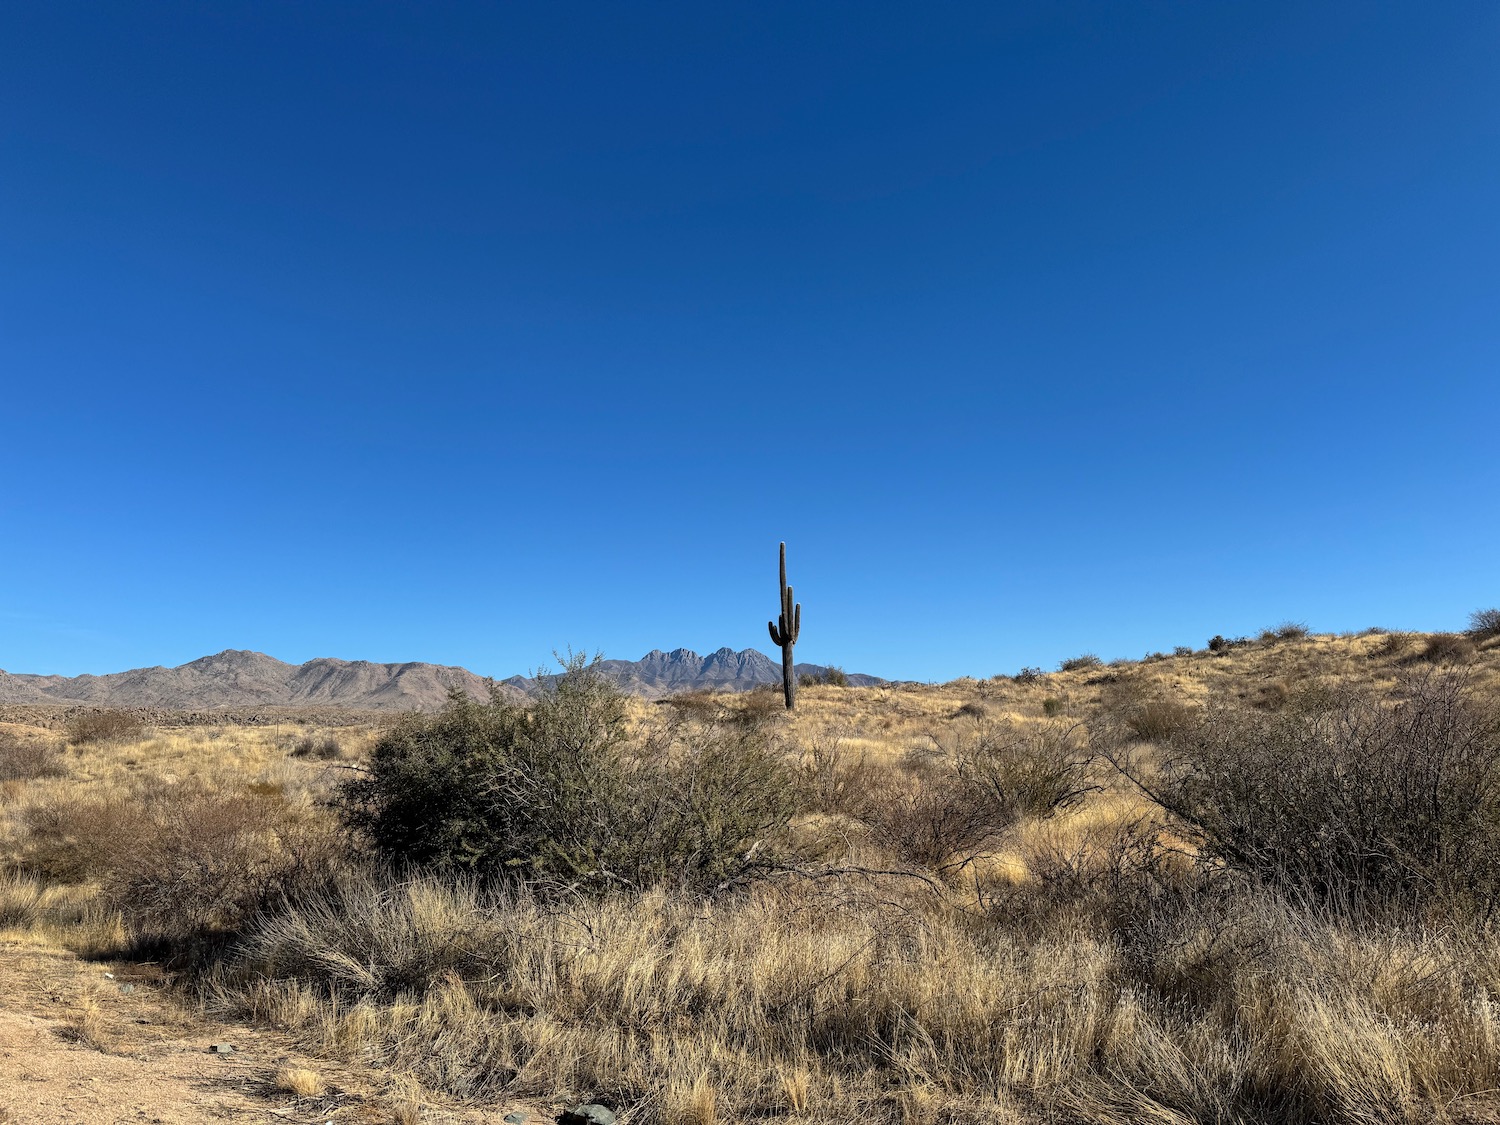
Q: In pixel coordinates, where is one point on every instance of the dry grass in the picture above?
(86, 1026)
(1053, 978)
(300, 1082)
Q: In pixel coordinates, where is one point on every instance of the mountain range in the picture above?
(236, 678)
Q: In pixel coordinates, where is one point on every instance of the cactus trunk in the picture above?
(784, 632)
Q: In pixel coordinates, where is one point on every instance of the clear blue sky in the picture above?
(461, 332)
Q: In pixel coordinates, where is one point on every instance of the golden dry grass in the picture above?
(300, 1082)
(874, 997)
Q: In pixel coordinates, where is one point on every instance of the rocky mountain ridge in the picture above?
(236, 678)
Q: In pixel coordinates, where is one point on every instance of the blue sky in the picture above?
(464, 332)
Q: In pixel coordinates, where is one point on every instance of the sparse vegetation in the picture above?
(324, 749)
(103, 726)
(26, 759)
(1445, 648)
(1484, 624)
(902, 904)
(1286, 631)
(1079, 663)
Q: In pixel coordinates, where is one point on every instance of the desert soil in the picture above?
(87, 1043)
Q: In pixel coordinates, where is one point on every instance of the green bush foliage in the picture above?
(552, 794)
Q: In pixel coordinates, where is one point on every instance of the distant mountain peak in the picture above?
(239, 678)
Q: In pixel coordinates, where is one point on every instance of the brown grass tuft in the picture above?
(301, 1082)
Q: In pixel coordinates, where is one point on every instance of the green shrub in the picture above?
(1052, 707)
(1028, 675)
(551, 794)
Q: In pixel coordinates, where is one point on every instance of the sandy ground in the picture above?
(83, 1043)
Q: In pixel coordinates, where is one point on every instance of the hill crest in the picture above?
(237, 678)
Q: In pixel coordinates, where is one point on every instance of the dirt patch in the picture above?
(83, 1043)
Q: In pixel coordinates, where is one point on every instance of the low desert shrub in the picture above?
(831, 676)
(80, 836)
(838, 779)
(1445, 648)
(1155, 720)
(181, 860)
(1080, 662)
(103, 726)
(1221, 644)
(1484, 624)
(955, 803)
(26, 759)
(1028, 675)
(1347, 802)
(552, 795)
(324, 749)
(208, 860)
(1286, 631)
(1395, 644)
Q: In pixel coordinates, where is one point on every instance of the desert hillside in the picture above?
(1009, 899)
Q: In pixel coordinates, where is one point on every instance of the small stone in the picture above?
(109, 976)
(590, 1113)
(514, 1119)
(127, 989)
(222, 1049)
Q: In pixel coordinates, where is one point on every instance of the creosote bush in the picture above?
(552, 795)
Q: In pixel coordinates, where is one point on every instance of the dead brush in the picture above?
(840, 779)
(27, 759)
(324, 749)
(104, 726)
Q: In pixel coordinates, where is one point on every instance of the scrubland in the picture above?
(1250, 884)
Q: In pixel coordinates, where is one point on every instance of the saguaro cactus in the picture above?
(784, 634)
